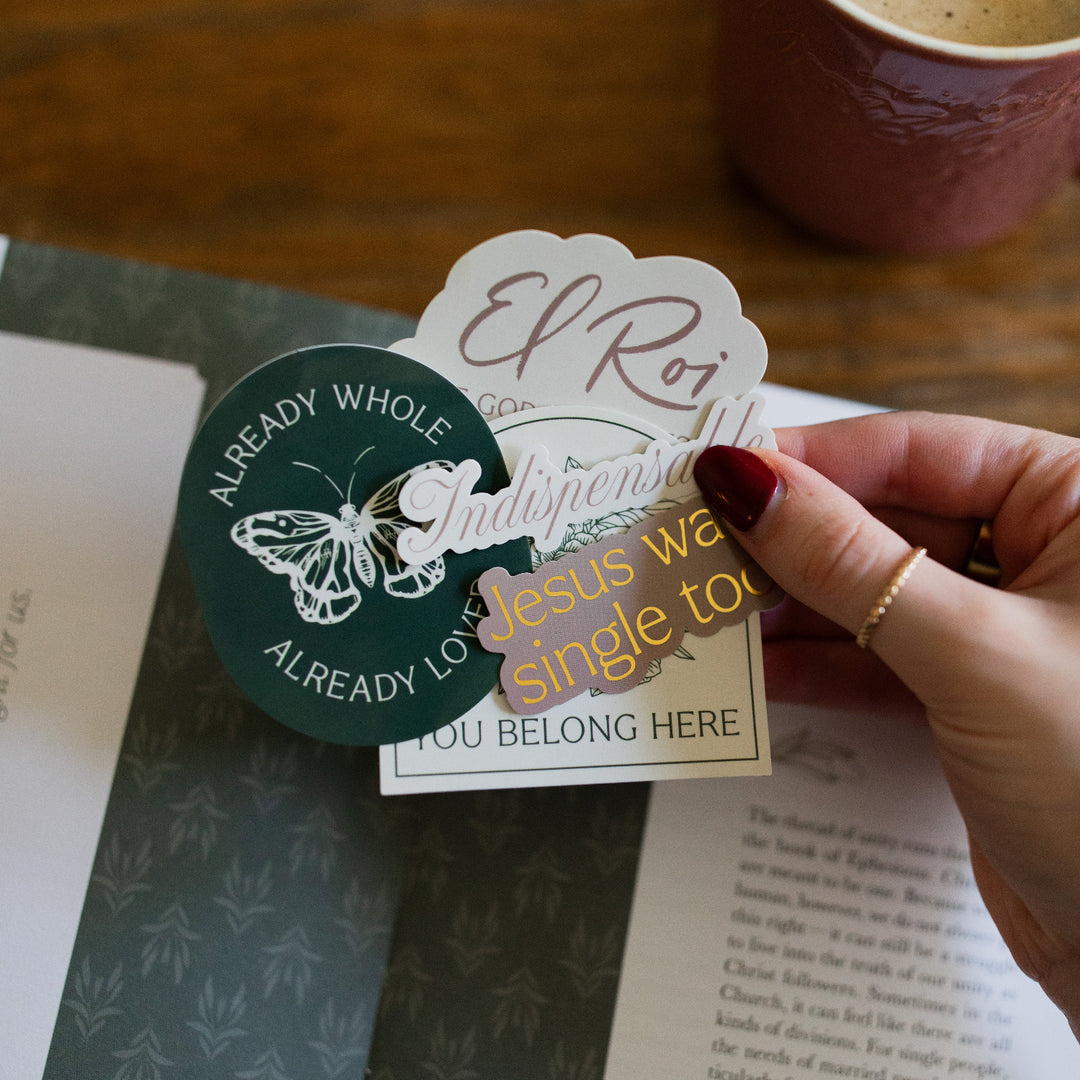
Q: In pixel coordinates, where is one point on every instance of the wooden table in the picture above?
(356, 147)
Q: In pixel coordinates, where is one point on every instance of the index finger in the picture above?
(1026, 481)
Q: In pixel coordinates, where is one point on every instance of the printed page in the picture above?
(91, 444)
(823, 922)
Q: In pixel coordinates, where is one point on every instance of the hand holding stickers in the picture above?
(342, 619)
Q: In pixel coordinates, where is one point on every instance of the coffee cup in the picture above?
(889, 135)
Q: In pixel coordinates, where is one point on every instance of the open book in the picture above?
(240, 902)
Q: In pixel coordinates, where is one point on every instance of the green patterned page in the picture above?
(257, 910)
(238, 917)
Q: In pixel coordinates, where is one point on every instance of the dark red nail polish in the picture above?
(735, 484)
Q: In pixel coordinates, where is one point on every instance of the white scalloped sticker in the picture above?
(530, 319)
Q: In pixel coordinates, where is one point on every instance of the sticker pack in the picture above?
(482, 549)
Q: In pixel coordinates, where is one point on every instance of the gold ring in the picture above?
(888, 595)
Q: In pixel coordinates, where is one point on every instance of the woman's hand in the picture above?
(997, 671)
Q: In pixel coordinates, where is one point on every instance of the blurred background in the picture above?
(356, 148)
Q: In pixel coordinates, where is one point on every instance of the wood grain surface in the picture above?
(356, 148)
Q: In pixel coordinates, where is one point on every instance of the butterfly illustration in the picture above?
(328, 559)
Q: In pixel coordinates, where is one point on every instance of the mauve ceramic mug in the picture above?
(891, 140)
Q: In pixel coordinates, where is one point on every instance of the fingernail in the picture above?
(735, 484)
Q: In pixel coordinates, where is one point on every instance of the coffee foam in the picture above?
(983, 22)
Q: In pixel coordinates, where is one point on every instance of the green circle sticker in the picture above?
(289, 516)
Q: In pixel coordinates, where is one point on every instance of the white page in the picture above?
(91, 444)
(827, 911)
(751, 890)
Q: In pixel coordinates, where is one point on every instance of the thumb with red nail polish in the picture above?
(737, 484)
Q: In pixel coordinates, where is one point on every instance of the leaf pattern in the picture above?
(430, 859)
(150, 752)
(366, 917)
(451, 1059)
(195, 820)
(244, 895)
(613, 841)
(93, 998)
(564, 1067)
(581, 534)
(270, 776)
(291, 963)
(168, 942)
(534, 924)
(178, 636)
(475, 938)
(496, 818)
(142, 1059)
(342, 1041)
(540, 882)
(519, 1005)
(592, 960)
(121, 872)
(218, 1019)
(316, 841)
(221, 706)
(406, 983)
(267, 1066)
